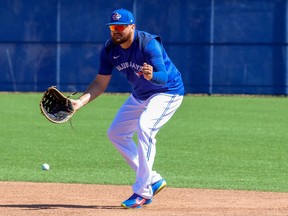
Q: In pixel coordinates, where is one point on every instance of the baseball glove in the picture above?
(55, 106)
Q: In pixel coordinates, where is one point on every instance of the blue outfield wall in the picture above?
(220, 46)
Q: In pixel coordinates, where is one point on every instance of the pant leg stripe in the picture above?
(156, 123)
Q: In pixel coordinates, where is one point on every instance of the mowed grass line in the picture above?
(211, 142)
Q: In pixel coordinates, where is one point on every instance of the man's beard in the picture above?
(118, 38)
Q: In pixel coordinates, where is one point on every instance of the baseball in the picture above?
(45, 167)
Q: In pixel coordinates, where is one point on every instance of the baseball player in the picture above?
(157, 93)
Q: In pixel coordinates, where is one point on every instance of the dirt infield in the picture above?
(22, 198)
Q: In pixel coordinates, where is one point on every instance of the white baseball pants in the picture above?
(145, 118)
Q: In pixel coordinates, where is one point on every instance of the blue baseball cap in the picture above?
(121, 17)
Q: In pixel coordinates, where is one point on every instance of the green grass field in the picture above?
(211, 142)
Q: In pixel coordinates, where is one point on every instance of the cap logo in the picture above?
(116, 16)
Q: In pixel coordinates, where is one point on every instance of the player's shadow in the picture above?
(57, 206)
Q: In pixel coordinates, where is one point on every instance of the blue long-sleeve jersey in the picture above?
(145, 48)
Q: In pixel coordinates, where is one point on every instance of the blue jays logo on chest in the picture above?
(129, 65)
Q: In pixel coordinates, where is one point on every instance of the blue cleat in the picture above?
(135, 201)
(156, 188)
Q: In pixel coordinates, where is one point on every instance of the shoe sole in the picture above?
(126, 207)
(138, 205)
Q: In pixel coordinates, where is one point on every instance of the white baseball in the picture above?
(45, 166)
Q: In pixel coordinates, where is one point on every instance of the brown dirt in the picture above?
(46, 199)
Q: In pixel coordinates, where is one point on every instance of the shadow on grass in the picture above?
(56, 206)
